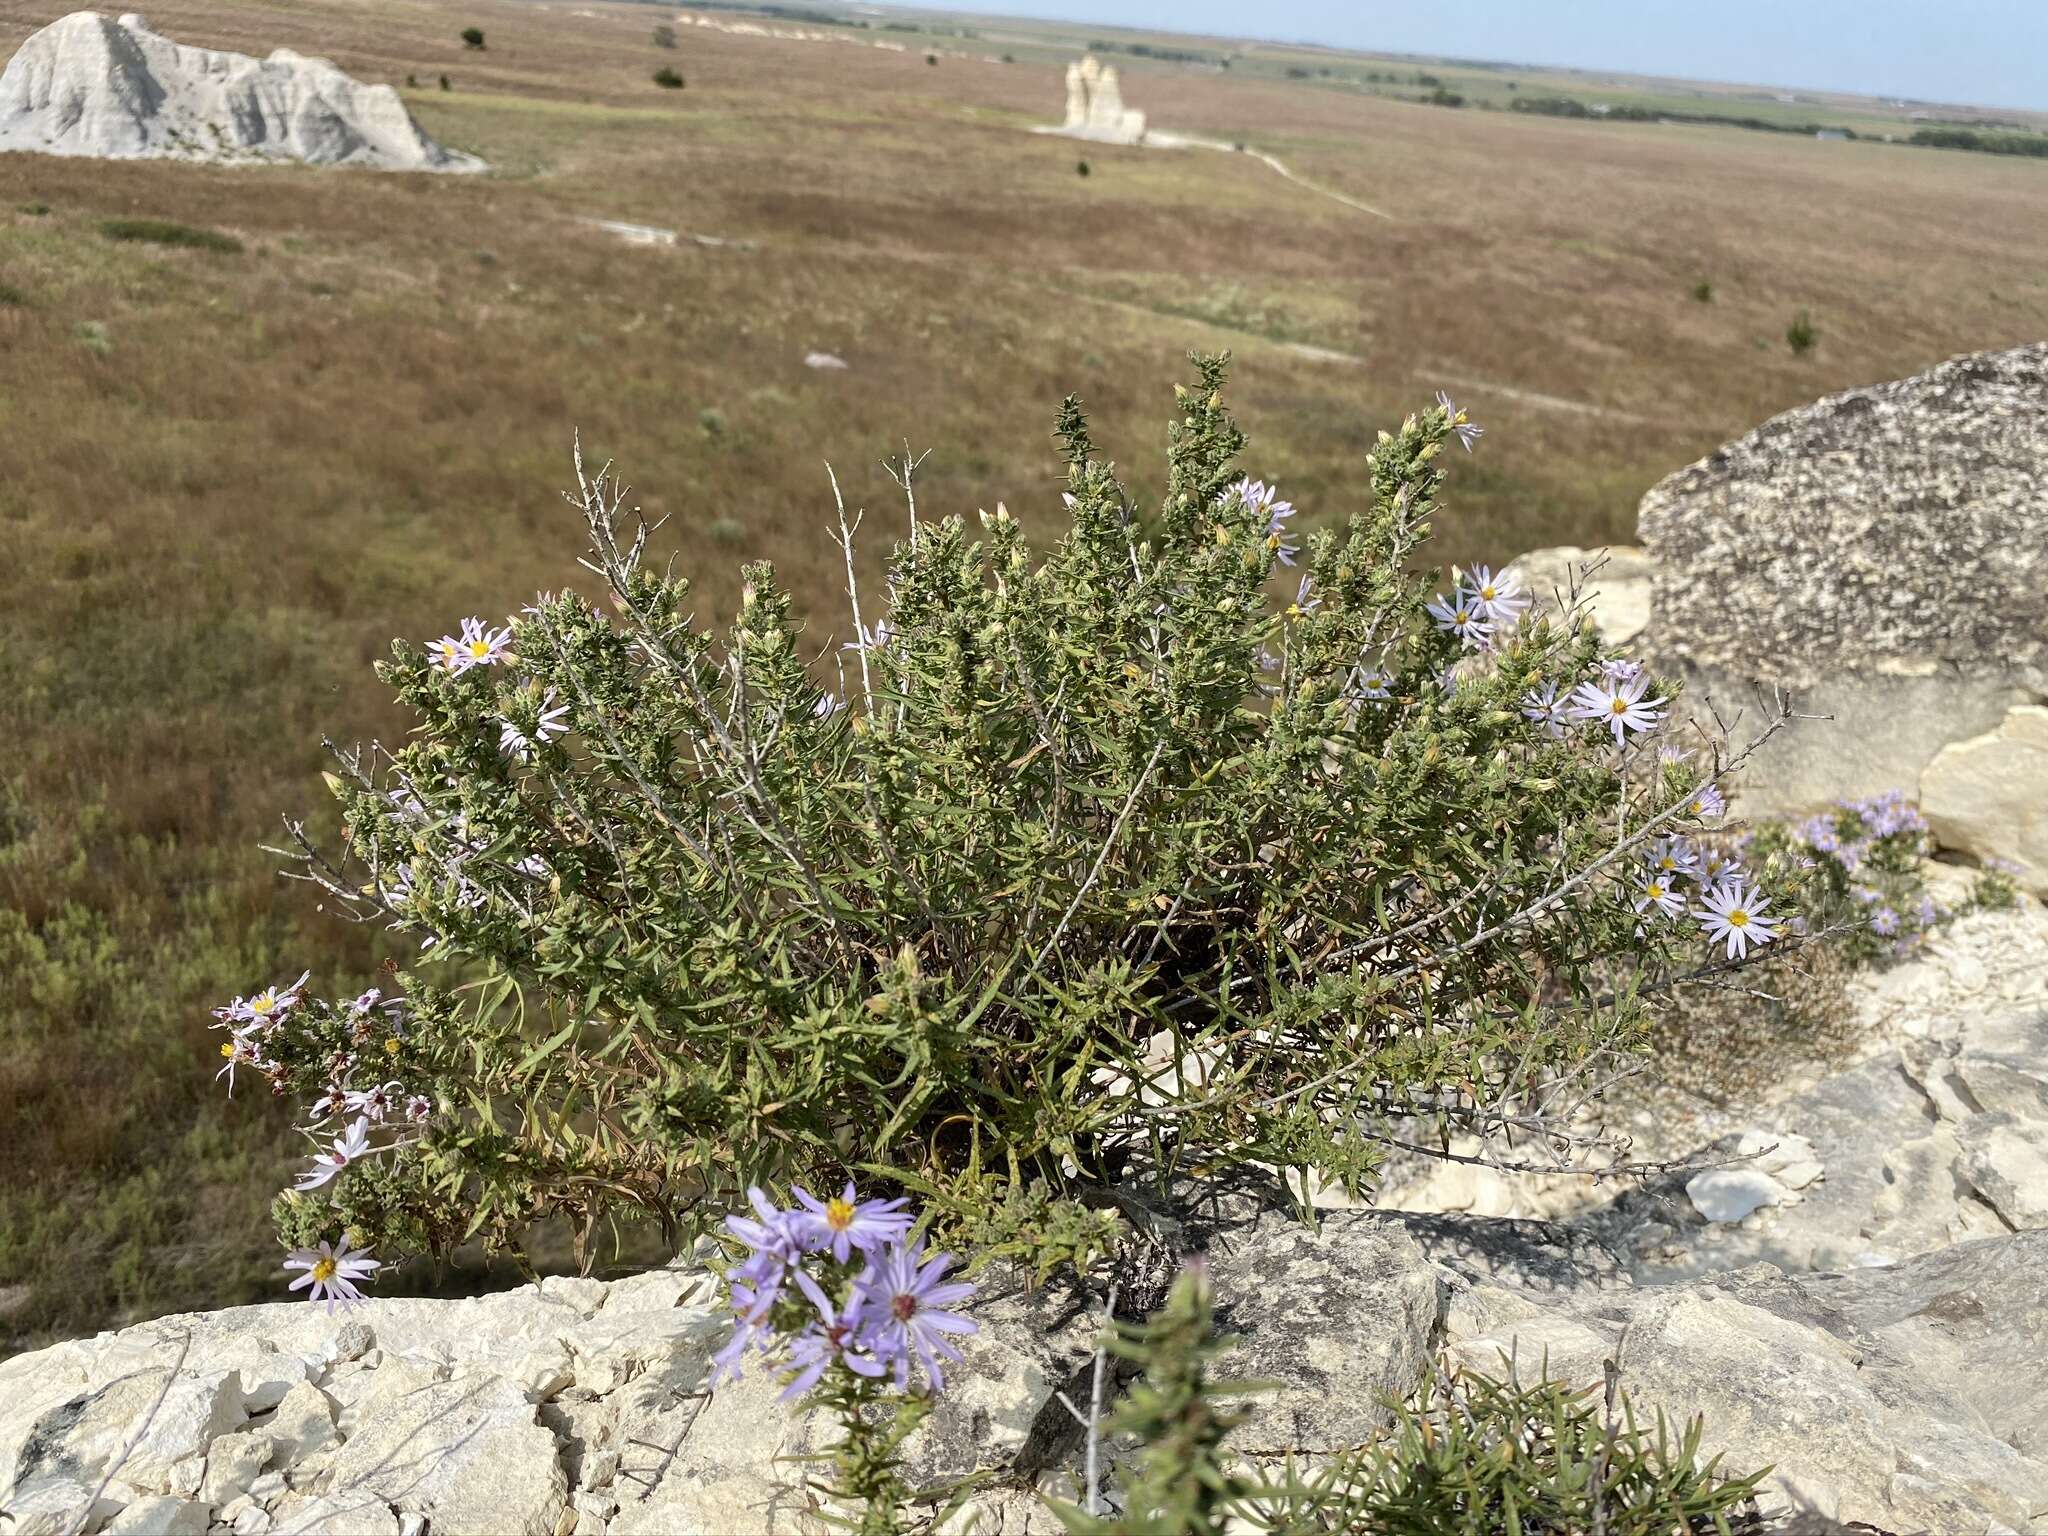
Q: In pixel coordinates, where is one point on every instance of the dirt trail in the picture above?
(1274, 162)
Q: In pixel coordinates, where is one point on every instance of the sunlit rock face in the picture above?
(97, 86)
(1095, 106)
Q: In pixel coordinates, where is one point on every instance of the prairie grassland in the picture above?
(226, 477)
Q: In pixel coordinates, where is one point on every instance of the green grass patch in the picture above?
(169, 232)
(12, 297)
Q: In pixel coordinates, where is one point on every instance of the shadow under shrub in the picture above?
(1098, 858)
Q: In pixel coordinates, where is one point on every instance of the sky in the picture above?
(1981, 52)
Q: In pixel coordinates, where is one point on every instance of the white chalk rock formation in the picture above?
(91, 85)
(1095, 106)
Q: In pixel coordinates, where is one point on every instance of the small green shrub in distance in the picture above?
(668, 79)
(35, 210)
(1081, 167)
(473, 37)
(12, 297)
(727, 530)
(1703, 292)
(1094, 857)
(1800, 335)
(168, 232)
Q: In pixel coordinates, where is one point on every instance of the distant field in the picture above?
(228, 476)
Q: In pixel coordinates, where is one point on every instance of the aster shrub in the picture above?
(1086, 857)
(1867, 887)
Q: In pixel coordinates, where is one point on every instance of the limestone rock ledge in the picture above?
(1909, 1397)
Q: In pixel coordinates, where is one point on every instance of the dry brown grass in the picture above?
(226, 478)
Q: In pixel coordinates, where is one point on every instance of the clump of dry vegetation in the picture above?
(231, 478)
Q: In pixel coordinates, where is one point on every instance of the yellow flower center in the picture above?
(1487, 593)
(479, 648)
(323, 1269)
(838, 1214)
(391, 1046)
(1737, 918)
(1618, 707)
(227, 1049)
(1461, 616)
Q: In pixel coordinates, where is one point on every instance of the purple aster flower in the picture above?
(238, 1050)
(348, 1146)
(266, 1009)
(1674, 856)
(1707, 804)
(1819, 834)
(1500, 599)
(1459, 615)
(1458, 421)
(1660, 892)
(1618, 704)
(1305, 599)
(332, 1273)
(476, 646)
(843, 1223)
(835, 1338)
(551, 721)
(373, 1104)
(1884, 922)
(904, 1297)
(750, 1330)
(1541, 706)
(1929, 913)
(1733, 912)
(778, 1242)
(1257, 496)
(1371, 684)
(1716, 866)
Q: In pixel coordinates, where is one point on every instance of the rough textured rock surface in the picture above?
(1989, 795)
(1870, 1393)
(1095, 105)
(1878, 553)
(1910, 1396)
(90, 84)
(1937, 1136)
(1890, 528)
